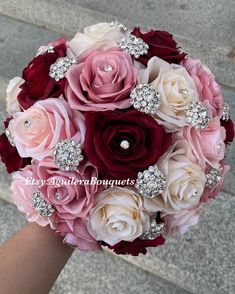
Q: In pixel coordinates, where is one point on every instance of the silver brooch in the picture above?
(213, 177)
(226, 112)
(145, 98)
(154, 231)
(151, 182)
(45, 49)
(10, 137)
(133, 45)
(67, 155)
(116, 23)
(60, 67)
(197, 115)
(40, 205)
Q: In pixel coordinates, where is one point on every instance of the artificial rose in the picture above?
(229, 128)
(182, 221)
(161, 44)
(37, 130)
(22, 194)
(38, 84)
(101, 34)
(170, 81)
(75, 234)
(118, 215)
(207, 144)
(207, 87)
(13, 89)
(136, 247)
(102, 81)
(70, 198)
(107, 130)
(185, 180)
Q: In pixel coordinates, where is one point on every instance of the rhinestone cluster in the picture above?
(133, 45)
(154, 231)
(226, 112)
(60, 67)
(151, 182)
(10, 137)
(213, 177)
(145, 98)
(67, 155)
(197, 115)
(116, 23)
(40, 205)
(45, 49)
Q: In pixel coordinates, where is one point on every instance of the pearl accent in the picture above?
(124, 144)
(107, 67)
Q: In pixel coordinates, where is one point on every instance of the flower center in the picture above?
(124, 144)
(118, 226)
(107, 67)
(27, 123)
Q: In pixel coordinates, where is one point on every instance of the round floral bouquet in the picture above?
(115, 138)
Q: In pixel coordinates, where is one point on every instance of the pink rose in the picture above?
(75, 233)
(70, 198)
(182, 221)
(208, 89)
(22, 194)
(37, 130)
(207, 144)
(101, 81)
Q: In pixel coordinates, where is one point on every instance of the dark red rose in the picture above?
(229, 127)
(38, 85)
(161, 44)
(107, 130)
(136, 247)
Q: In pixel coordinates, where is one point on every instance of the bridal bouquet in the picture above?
(116, 138)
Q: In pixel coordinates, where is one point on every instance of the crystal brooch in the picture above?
(154, 231)
(197, 115)
(226, 112)
(145, 98)
(45, 49)
(10, 137)
(60, 67)
(67, 155)
(133, 45)
(213, 177)
(150, 182)
(40, 205)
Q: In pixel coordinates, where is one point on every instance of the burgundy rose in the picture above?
(38, 84)
(161, 44)
(229, 127)
(136, 247)
(121, 144)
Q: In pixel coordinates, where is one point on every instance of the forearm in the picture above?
(31, 261)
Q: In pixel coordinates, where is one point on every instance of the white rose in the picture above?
(13, 89)
(118, 215)
(185, 180)
(177, 90)
(94, 36)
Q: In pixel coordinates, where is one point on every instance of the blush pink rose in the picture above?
(75, 234)
(22, 193)
(182, 221)
(70, 198)
(207, 144)
(101, 81)
(207, 87)
(37, 130)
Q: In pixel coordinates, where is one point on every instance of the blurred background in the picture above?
(203, 260)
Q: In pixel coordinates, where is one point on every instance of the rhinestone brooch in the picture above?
(213, 177)
(45, 49)
(145, 98)
(197, 115)
(116, 23)
(151, 182)
(67, 155)
(154, 231)
(40, 205)
(226, 112)
(10, 137)
(133, 45)
(60, 67)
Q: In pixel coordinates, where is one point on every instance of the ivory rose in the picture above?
(13, 89)
(118, 215)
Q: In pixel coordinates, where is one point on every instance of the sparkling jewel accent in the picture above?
(67, 155)
(145, 98)
(40, 205)
(197, 115)
(60, 67)
(125, 144)
(184, 91)
(27, 123)
(154, 231)
(133, 45)
(107, 67)
(116, 23)
(213, 177)
(151, 182)
(226, 112)
(10, 137)
(118, 227)
(45, 49)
